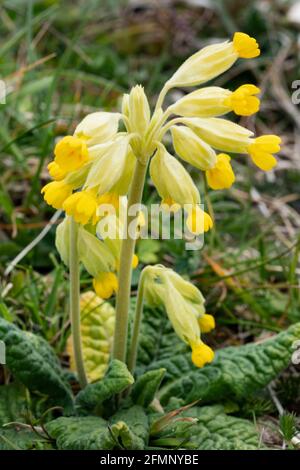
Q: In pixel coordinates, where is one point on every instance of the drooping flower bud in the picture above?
(221, 134)
(184, 306)
(171, 180)
(97, 128)
(191, 148)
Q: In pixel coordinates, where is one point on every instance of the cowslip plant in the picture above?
(102, 162)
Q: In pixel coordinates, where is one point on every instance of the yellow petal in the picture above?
(56, 192)
(261, 151)
(199, 221)
(55, 171)
(202, 354)
(207, 323)
(82, 206)
(221, 176)
(71, 153)
(105, 284)
(245, 46)
(242, 101)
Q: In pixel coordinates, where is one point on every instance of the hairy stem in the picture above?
(75, 304)
(137, 324)
(125, 272)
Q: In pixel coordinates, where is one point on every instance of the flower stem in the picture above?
(125, 272)
(75, 303)
(137, 323)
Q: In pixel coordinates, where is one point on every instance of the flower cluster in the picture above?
(184, 305)
(96, 166)
(100, 160)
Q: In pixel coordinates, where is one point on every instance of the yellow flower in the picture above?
(201, 354)
(261, 151)
(242, 101)
(199, 221)
(206, 323)
(109, 198)
(245, 46)
(213, 60)
(105, 285)
(55, 171)
(56, 192)
(221, 176)
(71, 153)
(82, 206)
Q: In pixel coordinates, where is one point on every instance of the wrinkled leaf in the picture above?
(211, 430)
(84, 433)
(97, 329)
(32, 361)
(130, 428)
(21, 439)
(146, 386)
(13, 404)
(117, 379)
(127, 429)
(235, 373)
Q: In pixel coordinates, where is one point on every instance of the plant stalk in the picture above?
(75, 303)
(137, 324)
(125, 272)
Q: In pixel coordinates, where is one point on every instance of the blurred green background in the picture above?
(63, 59)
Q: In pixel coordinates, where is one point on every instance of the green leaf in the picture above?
(117, 379)
(126, 429)
(13, 403)
(22, 439)
(32, 361)
(146, 386)
(212, 429)
(236, 372)
(130, 428)
(84, 433)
